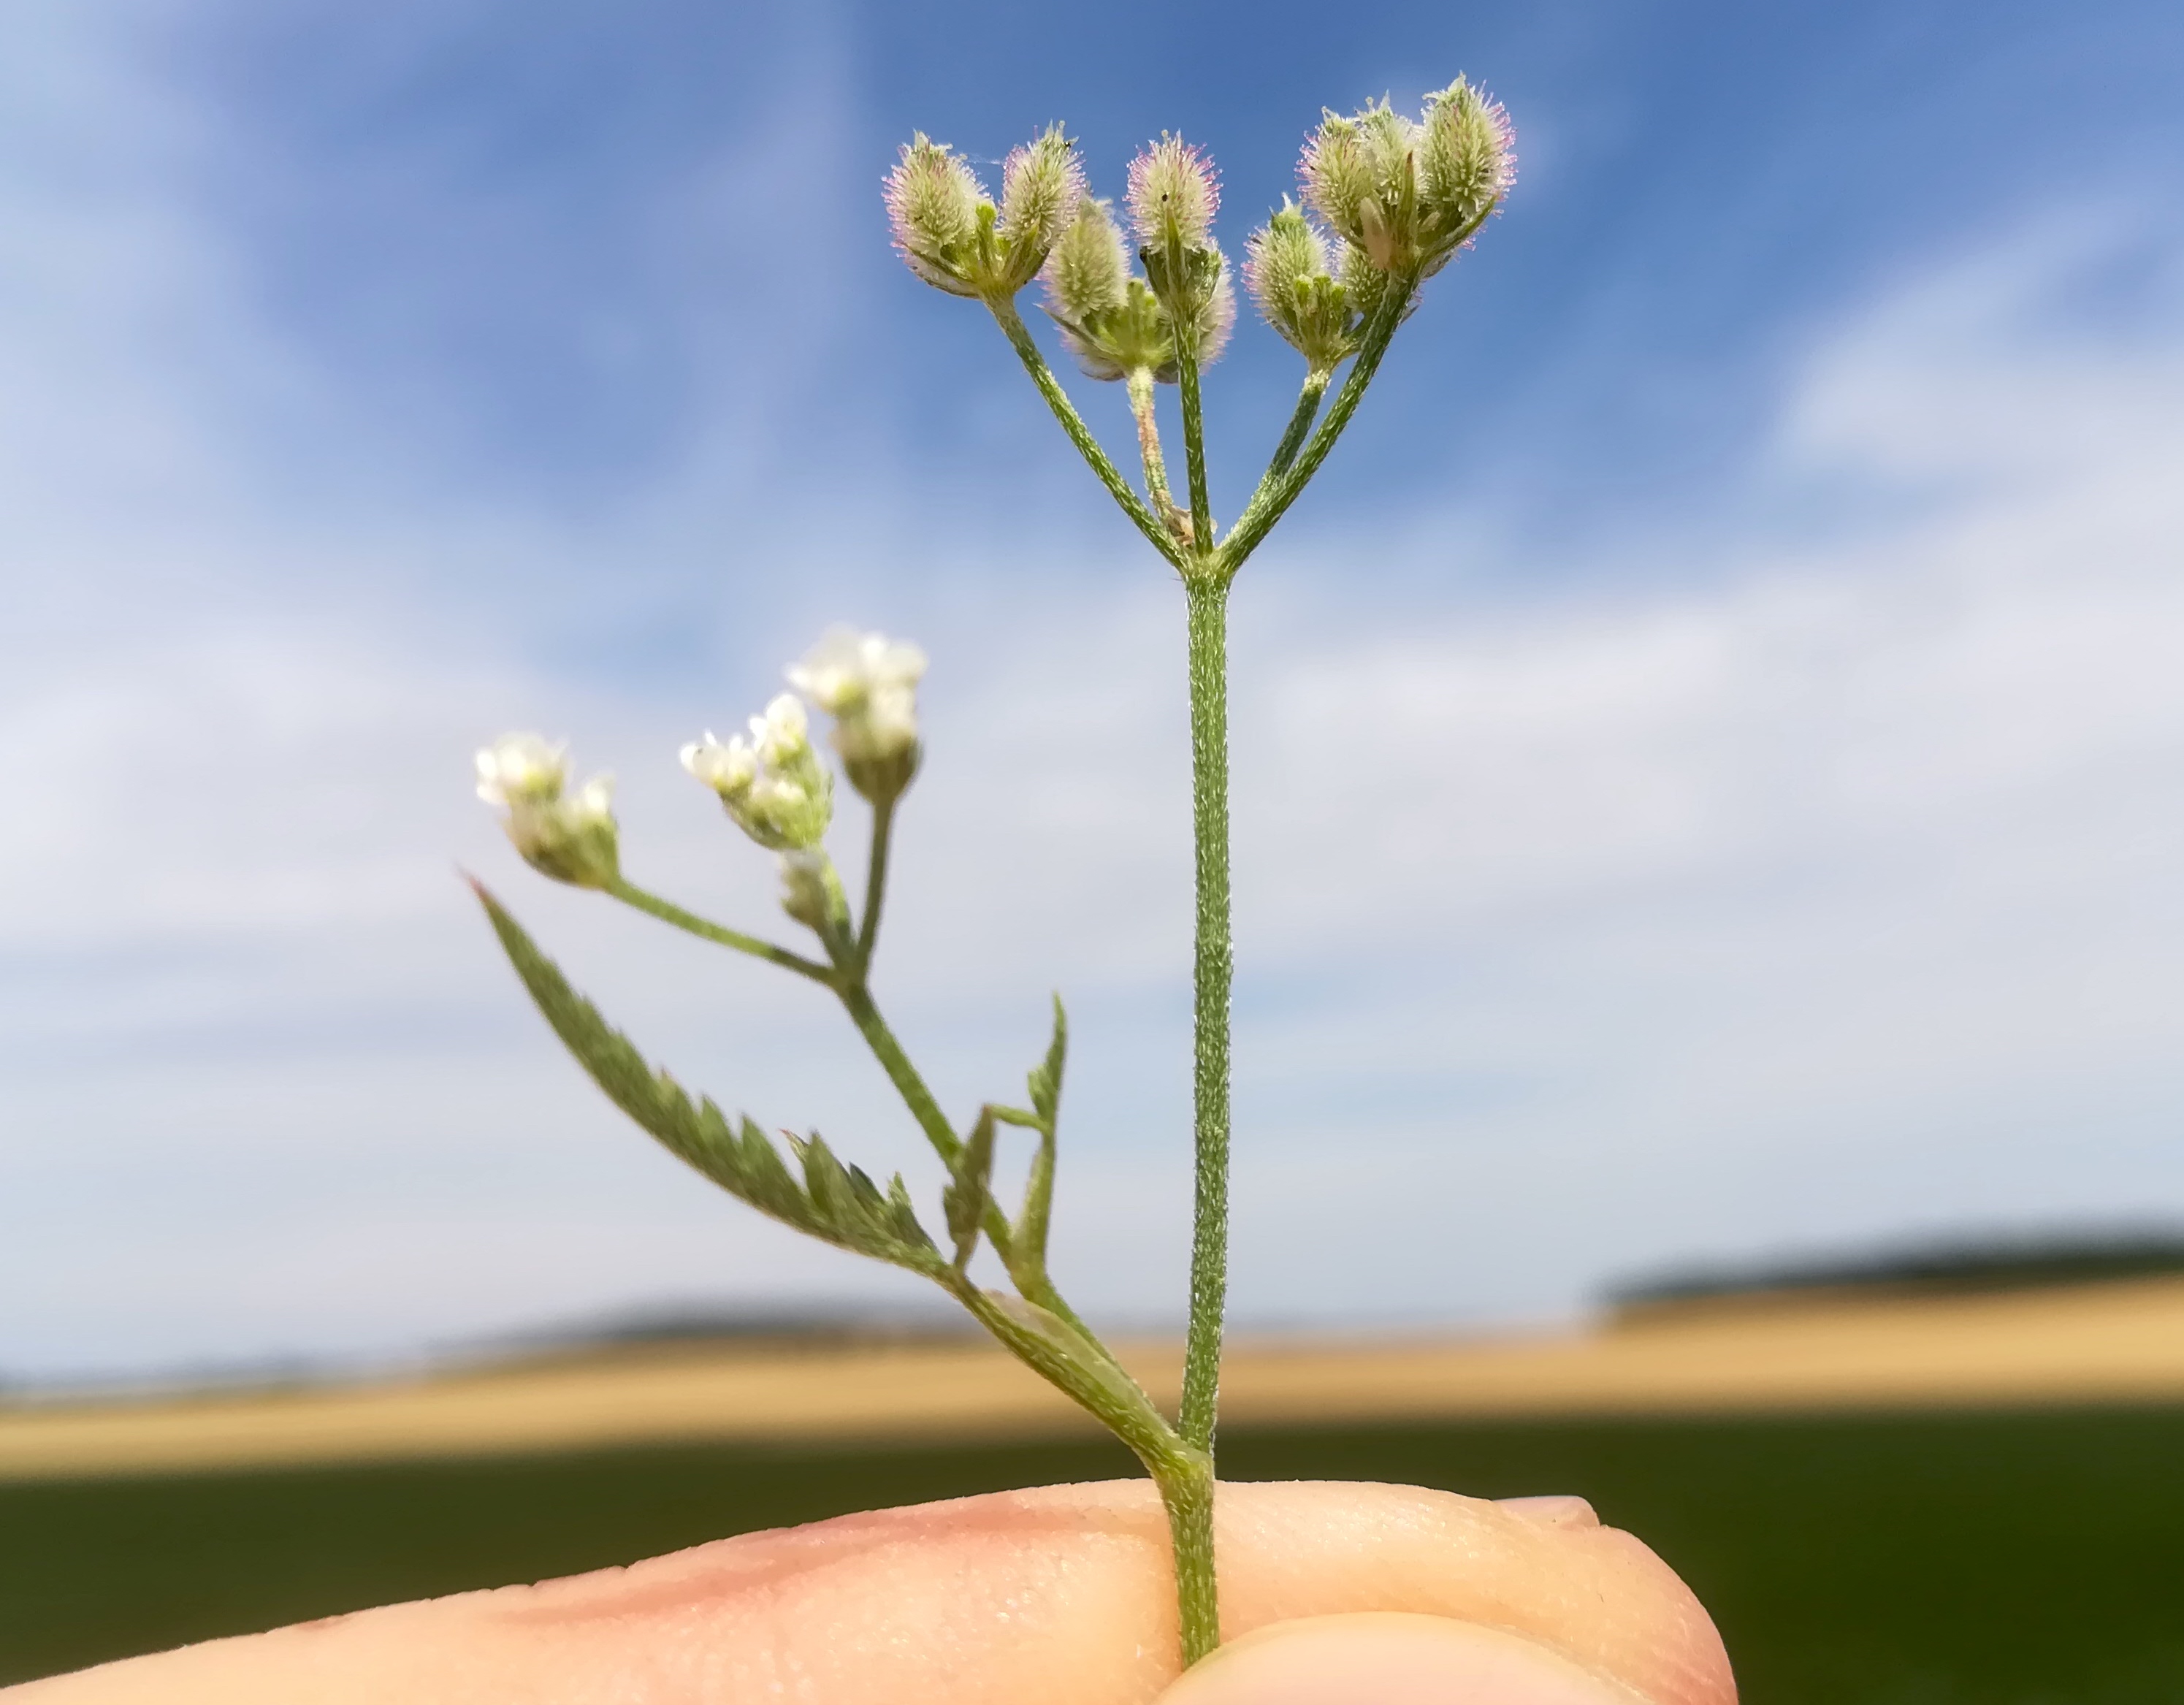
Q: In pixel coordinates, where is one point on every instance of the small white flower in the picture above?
(728, 770)
(773, 784)
(782, 733)
(868, 683)
(522, 766)
(571, 836)
(889, 722)
(846, 667)
(591, 803)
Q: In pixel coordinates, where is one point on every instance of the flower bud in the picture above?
(1285, 270)
(1358, 175)
(1174, 195)
(1089, 270)
(1407, 196)
(1466, 163)
(1335, 177)
(811, 890)
(775, 788)
(950, 231)
(1041, 184)
(868, 684)
(932, 200)
(1110, 321)
(570, 837)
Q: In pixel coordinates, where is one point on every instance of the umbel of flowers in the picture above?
(1147, 298)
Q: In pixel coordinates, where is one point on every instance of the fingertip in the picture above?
(1390, 1657)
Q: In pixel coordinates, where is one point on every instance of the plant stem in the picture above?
(1182, 1474)
(1209, 800)
(1012, 327)
(1186, 1489)
(1140, 385)
(1194, 445)
(1308, 405)
(866, 1016)
(1278, 491)
(668, 912)
(868, 926)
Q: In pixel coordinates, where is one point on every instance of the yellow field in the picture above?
(2093, 1343)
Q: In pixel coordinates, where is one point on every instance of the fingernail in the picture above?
(1556, 1510)
(1389, 1659)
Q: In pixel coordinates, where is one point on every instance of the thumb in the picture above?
(1390, 1659)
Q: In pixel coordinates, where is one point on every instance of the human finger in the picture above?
(1390, 1657)
(1062, 1594)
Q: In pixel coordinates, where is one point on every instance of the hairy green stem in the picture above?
(1140, 384)
(1185, 1469)
(1184, 1475)
(1213, 961)
(1020, 340)
(1307, 406)
(868, 926)
(1278, 491)
(668, 912)
(1186, 1489)
(866, 1016)
(1193, 446)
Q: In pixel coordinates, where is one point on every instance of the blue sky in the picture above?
(1707, 745)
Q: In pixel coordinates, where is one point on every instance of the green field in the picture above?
(1945, 1560)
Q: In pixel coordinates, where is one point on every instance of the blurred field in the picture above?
(2000, 1558)
(2122, 1342)
(1973, 1500)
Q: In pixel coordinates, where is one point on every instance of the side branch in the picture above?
(1278, 491)
(1193, 446)
(629, 894)
(868, 926)
(1141, 384)
(865, 1014)
(1293, 435)
(1072, 423)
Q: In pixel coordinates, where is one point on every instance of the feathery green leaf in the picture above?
(837, 1205)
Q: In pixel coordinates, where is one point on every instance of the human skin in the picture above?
(1061, 1595)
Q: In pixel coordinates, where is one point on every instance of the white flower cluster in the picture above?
(571, 837)
(773, 785)
(772, 781)
(868, 684)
